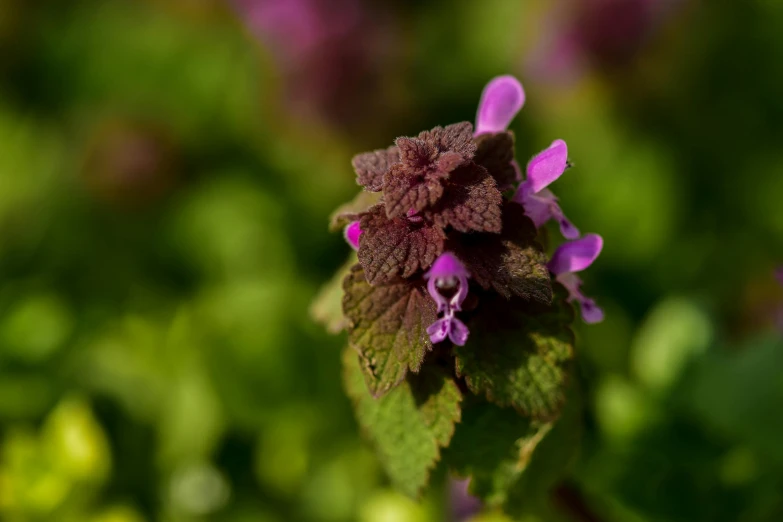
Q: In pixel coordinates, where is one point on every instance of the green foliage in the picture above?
(409, 424)
(327, 309)
(752, 415)
(157, 361)
(387, 327)
(519, 355)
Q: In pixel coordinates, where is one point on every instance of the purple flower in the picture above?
(463, 505)
(595, 34)
(539, 202)
(572, 257)
(352, 233)
(501, 100)
(447, 283)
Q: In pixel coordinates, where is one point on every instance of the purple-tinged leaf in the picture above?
(495, 152)
(404, 191)
(471, 202)
(371, 166)
(512, 263)
(396, 248)
(425, 163)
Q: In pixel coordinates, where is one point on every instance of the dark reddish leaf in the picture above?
(371, 166)
(404, 191)
(425, 163)
(512, 263)
(495, 153)
(396, 248)
(471, 202)
(457, 137)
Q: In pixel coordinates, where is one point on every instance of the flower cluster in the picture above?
(446, 233)
(459, 323)
(451, 179)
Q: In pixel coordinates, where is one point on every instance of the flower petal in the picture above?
(779, 274)
(458, 332)
(591, 313)
(439, 330)
(501, 100)
(575, 256)
(447, 265)
(352, 233)
(537, 207)
(547, 166)
(567, 228)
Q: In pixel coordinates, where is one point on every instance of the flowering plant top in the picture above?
(453, 304)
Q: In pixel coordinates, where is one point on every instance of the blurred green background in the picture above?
(167, 168)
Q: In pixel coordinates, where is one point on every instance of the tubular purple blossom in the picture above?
(501, 100)
(449, 275)
(572, 257)
(352, 233)
(540, 203)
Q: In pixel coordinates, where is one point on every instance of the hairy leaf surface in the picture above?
(371, 166)
(470, 203)
(495, 152)
(512, 263)
(396, 248)
(387, 327)
(519, 353)
(409, 424)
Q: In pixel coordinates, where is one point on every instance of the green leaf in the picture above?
(492, 446)
(547, 459)
(326, 309)
(387, 327)
(409, 424)
(739, 393)
(518, 354)
(513, 461)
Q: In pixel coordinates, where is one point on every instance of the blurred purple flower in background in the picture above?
(327, 51)
(581, 34)
(462, 504)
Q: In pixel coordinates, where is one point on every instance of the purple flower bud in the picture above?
(501, 100)
(540, 203)
(572, 257)
(779, 275)
(352, 233)
(447, 283)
